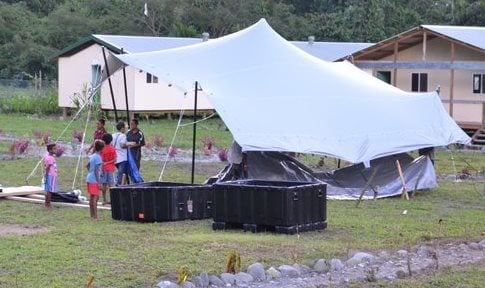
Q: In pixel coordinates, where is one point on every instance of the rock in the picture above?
(321, 266)
(482, 244)
(402, 253)
(197, 281)
(304, 269)
(336, 265)
(243, 278)
(474, 246)
(188, 284)
(400, 274)
(215, 281)
(384, 255)
(463, 246)
(257, 271)
(289, 271)
(167, 284)
(297, 268)
(272, 273)
(423, 251)
(360, 257)
(205, 279)
(228, 278)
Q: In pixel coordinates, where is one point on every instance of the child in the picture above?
(109, 159)
(50, 176)
(100, 131)
(93, 178)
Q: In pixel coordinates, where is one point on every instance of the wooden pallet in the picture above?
(61, 204)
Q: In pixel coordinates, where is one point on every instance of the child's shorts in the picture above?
(50, 183)
(93, 189)
(108, 177)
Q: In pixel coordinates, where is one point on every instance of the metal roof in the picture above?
(474, 36)
(330, 51)
(136, 44)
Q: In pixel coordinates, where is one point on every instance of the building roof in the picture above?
(137, 44)
(472, 37)
(328, 51)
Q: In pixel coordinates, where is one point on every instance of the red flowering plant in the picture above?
(60, 150)
(77, 136)
(158, 141)
(222, 154)
(19, 147)
(208, 145)
(148, 145)
(172, 151)
(42, 137)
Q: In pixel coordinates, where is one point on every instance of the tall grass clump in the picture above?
(29, 101)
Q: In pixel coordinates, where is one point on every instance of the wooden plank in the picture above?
(401, 176)
(20, 191)
(369, 183)
(394, 72)
(452, 77)
(62, 204)
(42, 197)
(428, 65)
(458, 101)
(424, 46)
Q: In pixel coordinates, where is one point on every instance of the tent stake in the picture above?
(371, 178)
(110, 85)
(194, 132)
(404, 191)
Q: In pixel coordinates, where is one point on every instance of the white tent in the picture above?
(275, 97)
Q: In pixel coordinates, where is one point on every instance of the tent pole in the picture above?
(126, 93)
(110, 86)
(194, 131)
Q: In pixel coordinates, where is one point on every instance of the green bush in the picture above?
(29, 101)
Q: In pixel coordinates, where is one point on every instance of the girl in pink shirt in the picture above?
(50, 175)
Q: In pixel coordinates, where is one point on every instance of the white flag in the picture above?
(145, 10)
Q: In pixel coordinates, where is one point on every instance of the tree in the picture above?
(474, 15)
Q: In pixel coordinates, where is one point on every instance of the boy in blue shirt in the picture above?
(93, 179)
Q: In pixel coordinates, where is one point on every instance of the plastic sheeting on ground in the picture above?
(345, 183)
(349, 182)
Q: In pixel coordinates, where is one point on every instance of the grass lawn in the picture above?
(70, 248)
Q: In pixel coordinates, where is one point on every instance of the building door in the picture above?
(95, 81)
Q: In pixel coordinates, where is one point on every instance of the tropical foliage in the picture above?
(33, 31)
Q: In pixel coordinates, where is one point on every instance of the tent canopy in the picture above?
(275, 97)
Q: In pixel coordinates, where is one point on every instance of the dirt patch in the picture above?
(20, 230)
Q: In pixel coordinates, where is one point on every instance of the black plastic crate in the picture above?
(161, 201)
(281, 206)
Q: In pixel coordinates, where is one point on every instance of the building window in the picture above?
(419, 82)
(152, 78)
(478, 83)
(384, 76)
